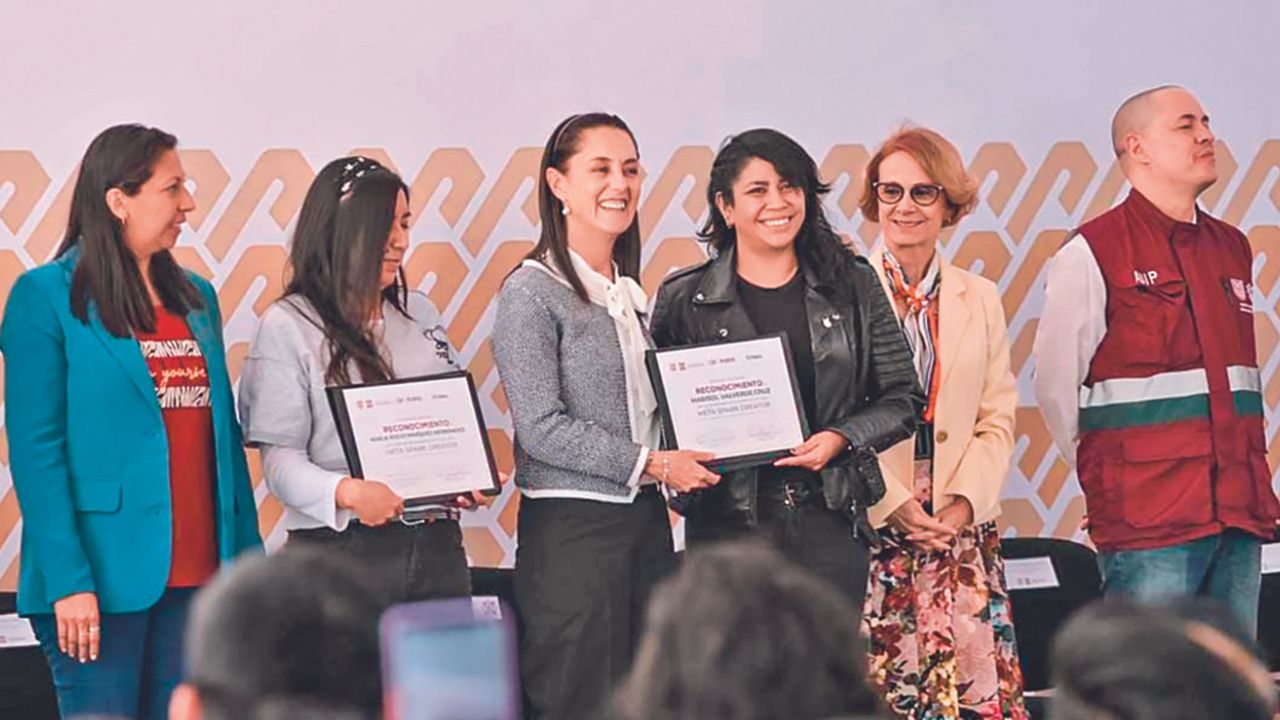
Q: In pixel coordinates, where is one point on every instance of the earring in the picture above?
(564, 209)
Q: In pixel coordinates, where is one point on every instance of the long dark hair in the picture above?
(553, 240)
(818, 247)
(336, 257)
(107, 274)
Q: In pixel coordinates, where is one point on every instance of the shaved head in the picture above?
(1134, 115)
(1165, 148)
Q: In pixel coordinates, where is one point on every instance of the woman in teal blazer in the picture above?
(124, 447)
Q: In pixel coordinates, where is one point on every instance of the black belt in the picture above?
(419, 515)
(412, 518)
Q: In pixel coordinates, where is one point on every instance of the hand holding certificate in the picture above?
(738, 400)
(424, 437)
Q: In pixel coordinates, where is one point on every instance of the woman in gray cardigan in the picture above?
(569, 345)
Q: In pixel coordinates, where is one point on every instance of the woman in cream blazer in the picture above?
(977, 396)
(942, 643)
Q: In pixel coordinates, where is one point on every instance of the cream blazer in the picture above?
(973, 421)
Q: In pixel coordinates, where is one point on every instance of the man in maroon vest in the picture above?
(1147, 372)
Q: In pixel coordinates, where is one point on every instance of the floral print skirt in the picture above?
(941, 630)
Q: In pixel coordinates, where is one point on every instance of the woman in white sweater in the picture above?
(347, 317)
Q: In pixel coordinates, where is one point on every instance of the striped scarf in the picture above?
(920, 324)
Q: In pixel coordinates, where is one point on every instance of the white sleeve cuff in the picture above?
(638, 471)
(337, 518)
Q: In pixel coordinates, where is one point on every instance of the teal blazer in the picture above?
(89, 454)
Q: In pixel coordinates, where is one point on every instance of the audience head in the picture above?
(1119, 661)
(272, 634)
(740, 633)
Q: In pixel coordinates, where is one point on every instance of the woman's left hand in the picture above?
(476, 499)
(816, 452)
(958, 515)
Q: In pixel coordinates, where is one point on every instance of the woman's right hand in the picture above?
(372, 502)
(681, 470)
(79, 626)
(920, 528)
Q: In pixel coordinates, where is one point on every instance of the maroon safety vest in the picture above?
(1172, 444)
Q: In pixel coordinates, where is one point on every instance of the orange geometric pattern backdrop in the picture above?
(465, 248)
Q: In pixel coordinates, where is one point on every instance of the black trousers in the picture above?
(805, 531)
(584, 572)
(403, 562)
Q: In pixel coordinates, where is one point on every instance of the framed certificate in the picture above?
(424, 437)
(737, 399)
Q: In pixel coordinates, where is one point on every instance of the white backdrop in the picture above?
(262, 94)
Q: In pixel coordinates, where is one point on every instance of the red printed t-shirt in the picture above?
(182, 388)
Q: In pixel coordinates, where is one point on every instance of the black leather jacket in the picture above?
(865, 383)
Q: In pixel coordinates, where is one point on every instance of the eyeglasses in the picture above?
(922, 194)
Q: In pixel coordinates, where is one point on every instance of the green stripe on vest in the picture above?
(1248, 402)
(1148, 412)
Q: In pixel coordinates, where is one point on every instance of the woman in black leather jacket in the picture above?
(777, 265)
